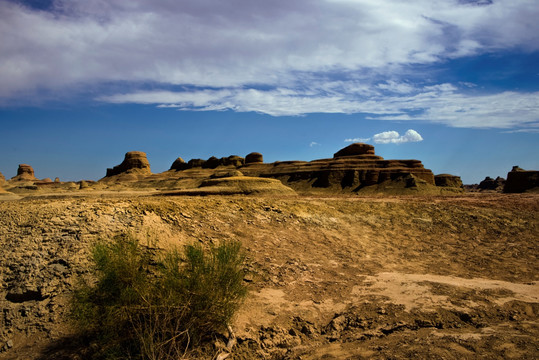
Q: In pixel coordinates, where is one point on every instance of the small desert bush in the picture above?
(155, 306)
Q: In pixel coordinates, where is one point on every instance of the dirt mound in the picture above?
(237, 185)
(519, 180)
(134, 162)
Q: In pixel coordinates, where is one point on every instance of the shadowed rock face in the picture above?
(133, 161)
(178, 164)
(520, 180)
(448, 180)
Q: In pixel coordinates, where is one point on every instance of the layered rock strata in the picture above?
(353, 167)
(520, 180)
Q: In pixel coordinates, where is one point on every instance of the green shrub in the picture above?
(154, 307)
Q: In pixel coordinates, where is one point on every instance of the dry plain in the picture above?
(330, 277)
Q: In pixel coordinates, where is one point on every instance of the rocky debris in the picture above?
(254, 157)
(24, 173)
(134, 161)
(492, 184)
(448, 180)
(354, 150)
(520, 180)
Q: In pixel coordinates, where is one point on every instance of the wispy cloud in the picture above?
(357, 140)
(313, 144)
(442, 103)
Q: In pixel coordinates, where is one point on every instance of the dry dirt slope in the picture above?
(330, 278)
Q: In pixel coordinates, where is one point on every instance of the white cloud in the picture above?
(272, 43)
(314, 143)
(393, 137)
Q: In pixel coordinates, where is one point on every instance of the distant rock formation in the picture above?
(134, 161)
(492, 184)
(520, 180)
(448, 180)
(353, 167)
(254, 157)
(2, 179)
(24, 173)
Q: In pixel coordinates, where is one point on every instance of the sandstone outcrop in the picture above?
(492, 184)
(134, 161)
(2, 179)
(354, 150)
(24, 173)
(520, 180)
(448, 180)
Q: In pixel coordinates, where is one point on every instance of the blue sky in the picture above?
(453, 83)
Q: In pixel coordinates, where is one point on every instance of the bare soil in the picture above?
(342, 277)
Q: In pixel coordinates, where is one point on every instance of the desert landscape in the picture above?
(354, 257)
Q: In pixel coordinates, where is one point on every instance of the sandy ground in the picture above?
(330, 277)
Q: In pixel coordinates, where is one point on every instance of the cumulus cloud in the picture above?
(393, 137)
(276, 57)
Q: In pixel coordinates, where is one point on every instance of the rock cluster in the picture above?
(134, 161)
(520, 180)
(491, 184)
(212, 163)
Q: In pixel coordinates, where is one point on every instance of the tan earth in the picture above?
(330, 277)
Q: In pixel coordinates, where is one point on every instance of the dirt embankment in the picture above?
(332, 278)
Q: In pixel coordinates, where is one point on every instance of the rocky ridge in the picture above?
(520, 180)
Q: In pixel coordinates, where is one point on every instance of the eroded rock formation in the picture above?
(353, 167)
(520, 180)
(254, 157)
(134, 161)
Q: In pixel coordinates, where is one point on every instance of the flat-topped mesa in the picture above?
(24, 173)
(520, 180)
(213, 162)
(134, 161)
